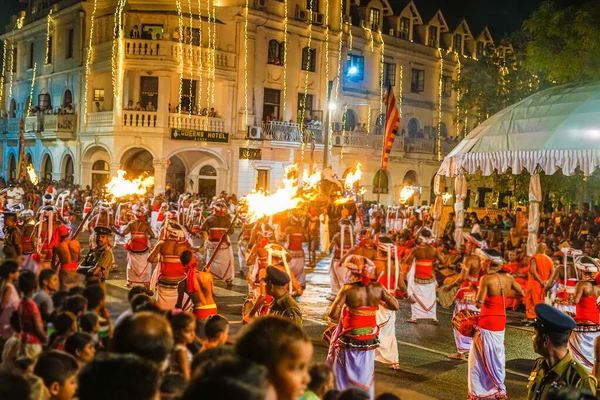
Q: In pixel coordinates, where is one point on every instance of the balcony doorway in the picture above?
(100, 173)
(12, 167)
(207, 182)
(271, 105)
(46, 167)
(68, 170)
(176, 174)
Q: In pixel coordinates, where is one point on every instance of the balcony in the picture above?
(57, 126)
(364, 141)
(142, 119)
(142, 49)
(196, 122)
(288, 132)
(419, 145)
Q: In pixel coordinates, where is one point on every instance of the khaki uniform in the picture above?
(287, 308)
(567, 373)
(12, 242)
(101, 258)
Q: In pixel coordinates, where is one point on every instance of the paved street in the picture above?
(426, 372)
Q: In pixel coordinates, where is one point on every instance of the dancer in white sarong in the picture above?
(587, 316)
(421, 278)
(217, 225)
(30, 257)
(295, 235)
(487, 358)
(342, 242)
(324, 231)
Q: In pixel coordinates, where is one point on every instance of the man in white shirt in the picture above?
(14, 195)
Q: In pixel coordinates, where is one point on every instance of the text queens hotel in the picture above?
(210, 95)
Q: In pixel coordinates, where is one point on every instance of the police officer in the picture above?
(283, 304)
(100, 260)
(12, 236)
(556, 368)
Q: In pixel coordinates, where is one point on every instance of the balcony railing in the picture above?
(196, 122)
(146, 119)
(364, 141)
(60, 123)
(291, 132)
(419, 145)
(100, 119)
(169, 50)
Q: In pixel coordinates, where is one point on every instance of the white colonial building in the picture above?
(176, 58)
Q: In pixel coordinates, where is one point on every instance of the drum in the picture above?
(465, 321)
(446, 296)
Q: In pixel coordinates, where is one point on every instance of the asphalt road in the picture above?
(425, 371)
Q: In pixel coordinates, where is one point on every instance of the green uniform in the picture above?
(101, 258)
(567, 373)
(287, 308)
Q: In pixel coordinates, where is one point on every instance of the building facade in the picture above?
(111, 84)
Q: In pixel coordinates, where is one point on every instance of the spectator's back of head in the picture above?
(119, 377)
(94, 295)
(172, 386)
(58, 371)
(387, 396)
(77, 304)
(207, 358)
(27, 281)
(136, 290)
(88, 321)
(139, 300)
(76, 290)
(13, 386)
(58, 299)
(321, 379)
(354, 394)
(215, 326)
(145, 334)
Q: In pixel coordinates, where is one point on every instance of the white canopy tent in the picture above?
(557, 128)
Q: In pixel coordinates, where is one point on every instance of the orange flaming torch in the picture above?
(353, 177)
(406, 193)
(33, 178)
(121, 187)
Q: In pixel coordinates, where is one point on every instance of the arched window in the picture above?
(274, 52)
(309, 64)
(67, 98)
(12, 109)
(44, 101)
(176, 175)
(349, 120)
(12, 167)
(207, 170)
(101, 165)
(410, 178)
(379, 124)
(443, 130)
(47, 167)
(413, 128)
(380, 182)
(68, 169)
(141, 161)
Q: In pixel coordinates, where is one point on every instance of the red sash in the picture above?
(361, 324)
(215, 234)
(586, 310)
(424, 268)
(493, 315)
(70, 266)
(295, 241)
(138, 242)
(171, 267)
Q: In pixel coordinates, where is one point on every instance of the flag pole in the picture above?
(387, 102)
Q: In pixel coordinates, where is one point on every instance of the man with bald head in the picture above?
(540, 270)
(145, 334)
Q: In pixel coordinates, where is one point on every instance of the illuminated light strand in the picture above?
(200, 64)
(246, 66)
(400, 93)
(209, 62)
(458, 94)
(88, 60)
(350, 39)
(369, 120)
(191, 53)
(48, 20)
(310, 18)
(12, 66)
(381, 71)
(31, 89)
(117, 56)
(440, 83)
(4, 46)
(285, 50)
(214, 51)
(344, 120)
(340, 48)
(19, 23)
(327, 94)
(370, 33)
(178, 3)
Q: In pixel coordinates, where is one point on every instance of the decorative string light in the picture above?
(20, 21)
(4, 46)
(209, 72)
(381, 72)
(214, 54)
(369, 119)
(350, 39)
(191, 53)
(178, 3)
(310, 18)
(246, 65)
(31, 89)
(11, 69)
(118, 56)
(200, 63)
(285, 50)
(344, 120)
(88, 60)
(440, 94)
(327, 94)
(400, 93)
(48, 19)
(340, 47)
(458, 94)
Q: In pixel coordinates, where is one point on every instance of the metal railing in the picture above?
(291, 132)
(60, 123)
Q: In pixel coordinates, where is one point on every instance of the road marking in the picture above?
(416, 346)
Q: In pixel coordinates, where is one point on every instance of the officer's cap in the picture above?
(8, 214)
(102, 230)
(550, 319)
(277, 277)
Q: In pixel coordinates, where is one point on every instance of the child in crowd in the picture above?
(183, 325)
(64, 324)
(58, 300)
(77, 304)
(90, 324)
(283, 348)
(216, 330)
(172, 386)
(10, 352)
(81, 346)
(33, 334)
(48, 281)
(58, 371)
(321, 381)
(9, 273)
(96, 302)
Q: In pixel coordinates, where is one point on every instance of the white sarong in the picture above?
(338, 273)
(387, 352)
(139, 270)
(30, 264)
(222, 267)
(425, 306)
(463, 343)
(487, 365)
(581, 346)
(297, 266)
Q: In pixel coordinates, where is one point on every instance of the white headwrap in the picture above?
(274, 249)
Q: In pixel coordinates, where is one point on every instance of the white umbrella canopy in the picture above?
(552, 129)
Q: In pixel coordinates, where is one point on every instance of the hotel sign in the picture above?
(199, 136)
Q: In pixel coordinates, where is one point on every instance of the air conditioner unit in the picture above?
(255, 132)
(338, 141)
(318, 19)
(260, 4)
(336, 127)
(302, 15)
(392, 32)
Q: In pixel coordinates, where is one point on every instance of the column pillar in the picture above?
(222, 179)
(160, 175)
(535, 197)
(438, 207)
(114, 167)
(85, 176)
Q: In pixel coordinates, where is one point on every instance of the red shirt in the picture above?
(29, 315)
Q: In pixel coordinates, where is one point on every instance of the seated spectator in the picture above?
(48, 281)
(158, 36)
(283, 348)
(195, 110)
(96, 300)
(138, 107)
(321, 381)
(65, 323)
(216, 330)
(183, 325)
(98, 107)
(134, 33)
(354, 394)
(10, 352)
(212, 113)
(58, 371)
(150, 106)
(130, 105)
(208, 358)
(76, 304)
(204, 112)
(145, 334)
(119, 377)
(13, 386)
(81, 346)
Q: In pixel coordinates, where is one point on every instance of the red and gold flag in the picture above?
(392, 124)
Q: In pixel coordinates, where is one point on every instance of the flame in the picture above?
(121, 187)
(352, 178)
(33, 178)
(312, 180)
(446, 197)
(406, 193)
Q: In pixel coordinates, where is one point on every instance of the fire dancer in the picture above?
(217, 226)
(295, 235)
(66, 255)
(352, 344)
(199, 286)
(421, 277)
(139, 270)
(170, 272)
(342, 241)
